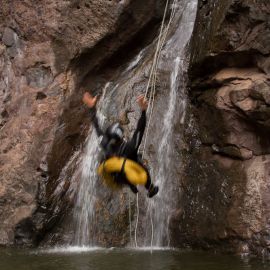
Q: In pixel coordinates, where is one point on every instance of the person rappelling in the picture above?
(122, 164)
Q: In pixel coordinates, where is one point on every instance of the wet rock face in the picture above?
(227, 177)
(46, 49)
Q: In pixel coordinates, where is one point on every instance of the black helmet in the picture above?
(115, 131)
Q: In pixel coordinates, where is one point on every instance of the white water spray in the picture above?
(86, 198)
(159, 209)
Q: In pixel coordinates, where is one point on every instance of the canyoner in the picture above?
(121, 164)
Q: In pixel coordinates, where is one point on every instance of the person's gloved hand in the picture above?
(143, 103)
(89, 100)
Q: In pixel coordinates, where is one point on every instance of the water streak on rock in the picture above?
(173, 60)
(85, 204)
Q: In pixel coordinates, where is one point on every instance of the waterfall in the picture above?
(86, 196)
(85, 204)
(84, 211)
(174, 57)
(161, 205)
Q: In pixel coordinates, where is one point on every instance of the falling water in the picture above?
(170, 107)
(85, 214)
(85, 210)
(86, 196)
(164, 159)
(174, 58)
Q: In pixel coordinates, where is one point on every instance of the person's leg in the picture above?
(152, 189)
(121, 178)
(133, 188)
(148, 182)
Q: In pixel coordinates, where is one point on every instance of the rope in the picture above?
(152, 231)
(129, 217)
(153, 85)
(152, 80)
(137, 219)
(158, 48)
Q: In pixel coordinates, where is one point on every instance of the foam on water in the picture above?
(88, 249)
(71, 249)
(154, 248)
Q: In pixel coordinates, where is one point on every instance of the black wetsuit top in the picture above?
(127, 149)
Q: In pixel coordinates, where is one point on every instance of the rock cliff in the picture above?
(226, 198)
(50, 52)
(46, 50)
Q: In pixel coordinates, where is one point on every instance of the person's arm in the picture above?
(138, 133)
(96, 124)
(90, 102)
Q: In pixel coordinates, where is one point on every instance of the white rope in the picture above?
(148, 84)
(137, 219)
(158, 48)
(152, 80)
(129, 217)
(152, 230)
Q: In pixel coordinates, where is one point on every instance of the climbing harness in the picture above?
(133, 171)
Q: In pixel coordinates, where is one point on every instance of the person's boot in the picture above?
(152, 191)
(133, 189)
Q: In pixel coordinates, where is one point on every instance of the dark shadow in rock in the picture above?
(5, 113)
(25, 234)
(40, 95)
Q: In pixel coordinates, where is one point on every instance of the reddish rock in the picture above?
(226, 199)
(46, 49)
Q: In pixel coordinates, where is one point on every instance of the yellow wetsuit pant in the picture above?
(134, 172)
